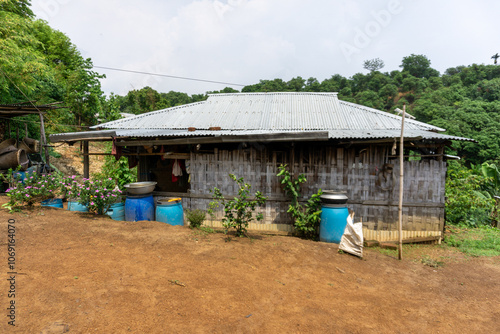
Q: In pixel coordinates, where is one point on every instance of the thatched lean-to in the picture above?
(337, 145)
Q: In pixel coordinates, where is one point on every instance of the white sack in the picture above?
(352, 240)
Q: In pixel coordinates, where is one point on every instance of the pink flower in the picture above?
(91, 203)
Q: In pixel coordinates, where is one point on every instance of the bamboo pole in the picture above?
(401, 174)
(86, 161)
(43, 142)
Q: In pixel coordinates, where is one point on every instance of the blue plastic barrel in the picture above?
(117, 211)
(333, 222)
(169, 210)
(54, 202)
(75, 206)
(139, 207)
(19, 175)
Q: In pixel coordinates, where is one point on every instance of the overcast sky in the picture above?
(244, 41)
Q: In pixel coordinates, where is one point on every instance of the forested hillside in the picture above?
(463, 100)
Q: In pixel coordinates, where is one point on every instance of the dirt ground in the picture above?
(71, 161)
(81, 273)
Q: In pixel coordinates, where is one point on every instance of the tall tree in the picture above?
(20, 61)
(18, 7)
(419, 66)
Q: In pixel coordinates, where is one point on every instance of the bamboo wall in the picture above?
(358, 171)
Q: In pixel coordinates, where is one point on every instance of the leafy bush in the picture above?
(238, 211)
(99, 194)
(195, 217)
(467, 202)
(306, 217)
(117, 170)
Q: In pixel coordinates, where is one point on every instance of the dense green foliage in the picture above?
(41, 64)
(465, 203)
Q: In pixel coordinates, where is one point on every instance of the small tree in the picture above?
(238, 212)
(373, 64)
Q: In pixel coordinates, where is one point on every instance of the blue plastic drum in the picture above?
(117, 211)
(333, 222)
(169, 210)
(139, 207)
(54, 202)
(19, 175)
(75, 206)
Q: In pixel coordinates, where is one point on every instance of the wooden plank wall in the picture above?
(356, 171)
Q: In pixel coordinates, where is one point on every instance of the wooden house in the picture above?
(338, 145)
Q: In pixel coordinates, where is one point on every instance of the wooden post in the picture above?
(43, 141)
(86, 164)
(25, 130)
(401, 173)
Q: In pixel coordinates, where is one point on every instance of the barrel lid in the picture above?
(169, 200)
(140, 195)
(333, 197)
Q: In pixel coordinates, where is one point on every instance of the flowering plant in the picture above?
(33, 188)
(71, 187)
(99, 194)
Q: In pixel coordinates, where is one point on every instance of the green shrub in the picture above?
(238, 212)
(195, 217)
(117, 170)
(467, 201)
(306, 217)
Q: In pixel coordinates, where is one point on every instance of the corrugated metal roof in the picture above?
(332, 134)
(270, 112)
(281, 115)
